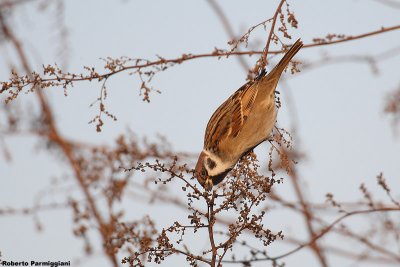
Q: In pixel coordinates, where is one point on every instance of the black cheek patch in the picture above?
(218, 178)
(211, 164)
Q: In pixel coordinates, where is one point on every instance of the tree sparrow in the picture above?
(241, 123)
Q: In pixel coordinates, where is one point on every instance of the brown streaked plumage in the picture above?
(242, 122)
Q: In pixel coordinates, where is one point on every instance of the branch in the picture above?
(54, 136)
(333, 224)
(10, 4)
(228, 28)
(389, 3)
(321, 234)
(263, 61)
(65, 79)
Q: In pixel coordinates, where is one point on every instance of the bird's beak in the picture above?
(208, 185)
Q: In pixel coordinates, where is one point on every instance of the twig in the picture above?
(228, 28)
(54, 135)
(187, 57)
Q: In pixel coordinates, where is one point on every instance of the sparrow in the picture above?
(241, 123)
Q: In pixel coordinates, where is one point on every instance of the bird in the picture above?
(241, 123)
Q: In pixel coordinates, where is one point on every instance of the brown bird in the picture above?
(241, 123)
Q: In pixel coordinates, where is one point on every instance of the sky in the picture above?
(340, 123)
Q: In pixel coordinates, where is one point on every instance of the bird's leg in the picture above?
(270, 138)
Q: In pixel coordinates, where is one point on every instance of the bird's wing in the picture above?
(229, 118)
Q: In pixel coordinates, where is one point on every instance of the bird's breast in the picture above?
(257, 128)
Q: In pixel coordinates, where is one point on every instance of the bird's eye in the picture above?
(203, 173)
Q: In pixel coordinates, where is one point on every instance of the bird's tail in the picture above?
(287, 57)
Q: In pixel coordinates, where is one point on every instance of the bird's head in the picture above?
(210, 170)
